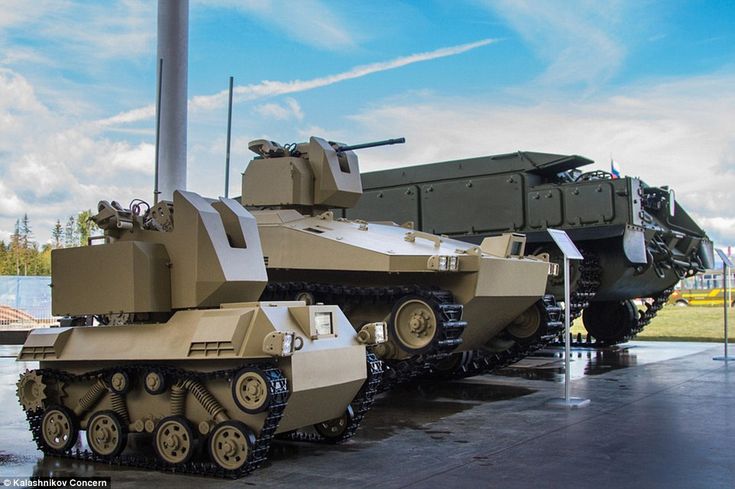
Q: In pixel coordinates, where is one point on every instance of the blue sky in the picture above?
(647, 82)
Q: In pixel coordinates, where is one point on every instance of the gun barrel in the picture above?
(371, 145)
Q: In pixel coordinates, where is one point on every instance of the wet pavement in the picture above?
(662, 415)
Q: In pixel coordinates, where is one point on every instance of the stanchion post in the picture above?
(567, 333)
(726, 267)
(570, 252)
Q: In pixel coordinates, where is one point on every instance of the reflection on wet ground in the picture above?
(548, 364)
(413, 407)
(417, 406)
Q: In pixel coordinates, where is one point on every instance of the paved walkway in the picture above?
(662, 415)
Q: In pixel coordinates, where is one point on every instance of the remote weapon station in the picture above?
(636, 239)
(439, 296)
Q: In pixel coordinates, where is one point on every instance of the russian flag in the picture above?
(614, 169)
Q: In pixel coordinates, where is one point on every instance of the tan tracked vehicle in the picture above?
(179, 355)
(439, 295)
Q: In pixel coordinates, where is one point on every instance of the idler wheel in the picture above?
(414, 324)
(106, 434)
(173, 440)
(250, 390)
(333, 429)
(154, 382)
(230, 444)
(611, 322)
(526, 325)
(120, 382)
(305, 296)
(59, 429)
(453, 363)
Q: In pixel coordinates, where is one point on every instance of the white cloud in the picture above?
(10, 206)
(577, 38)
(722, 227)
(92, 31)
(54, 166)
(134, 115)
(307, 21)
(679, 133)
(20, 12)
(269, 88)
(288, 111)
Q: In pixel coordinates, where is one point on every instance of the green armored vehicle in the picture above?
(439, 296)
(180, 354)
(636, 239)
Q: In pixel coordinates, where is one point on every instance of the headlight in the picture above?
(373, 334)
(280, 343)
(442, 263)
(287, 344)
(453, 263)
(380, 333)
(323, 323)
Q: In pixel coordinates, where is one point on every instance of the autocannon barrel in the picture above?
(372, 145)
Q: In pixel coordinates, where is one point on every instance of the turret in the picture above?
(151, 262)
(319, 174)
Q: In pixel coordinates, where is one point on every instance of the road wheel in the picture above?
(173, 440)
(250, 390)
(335, 429)
(230, 444)
(414, 324)
(611, 322)
(59, 429)
(106, 434)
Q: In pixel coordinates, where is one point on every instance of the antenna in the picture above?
(229, 134)
(156, 191)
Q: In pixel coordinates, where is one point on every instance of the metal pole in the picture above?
(726, 267)
(726, 301)
(156, 191)
(229, 137)
(173, 46)
(567, 346)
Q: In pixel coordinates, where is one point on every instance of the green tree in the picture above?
(27, 246)
(85, 227)
(70, 233)
(15, 247)
(22, 256)
(3, 257)
(42, 260)
(57, 234)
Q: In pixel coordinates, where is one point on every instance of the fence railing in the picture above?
(25, 302)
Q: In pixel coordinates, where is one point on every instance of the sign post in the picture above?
(726, 267)
(570, 252)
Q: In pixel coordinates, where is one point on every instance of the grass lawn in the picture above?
(674, 323)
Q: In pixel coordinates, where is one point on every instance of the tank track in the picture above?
(278, 387)
(482, 362)
(586, 286)
(360, 405)
(584, 290)
(644, 318)
(346, 296)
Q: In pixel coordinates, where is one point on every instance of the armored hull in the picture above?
(209, 385)
(438, 295)
(637, 240)
(373, 256)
